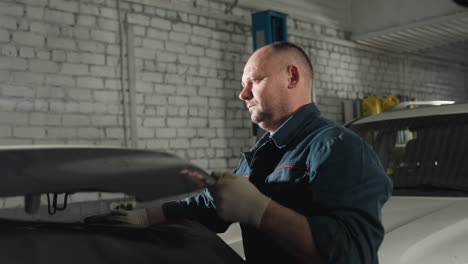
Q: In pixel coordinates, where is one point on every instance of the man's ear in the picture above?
(294, 76)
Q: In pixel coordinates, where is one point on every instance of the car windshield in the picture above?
(424, 155)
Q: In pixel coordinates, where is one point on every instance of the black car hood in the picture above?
(25, 242)
(145, 174)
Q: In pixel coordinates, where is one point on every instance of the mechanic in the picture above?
(309, 191)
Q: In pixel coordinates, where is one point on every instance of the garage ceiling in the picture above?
(431, 28)
(441, 37)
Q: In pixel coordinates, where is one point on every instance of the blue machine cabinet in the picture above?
(267, 27)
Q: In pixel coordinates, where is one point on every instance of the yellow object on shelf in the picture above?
(389, 102)
(371, 105)
(389, 171)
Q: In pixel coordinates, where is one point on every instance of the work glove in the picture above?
(134, 217)
(237, 199)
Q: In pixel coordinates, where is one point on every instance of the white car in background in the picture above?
(425, 151)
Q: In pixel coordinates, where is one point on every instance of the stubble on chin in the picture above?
(259, 118)
(255, 117)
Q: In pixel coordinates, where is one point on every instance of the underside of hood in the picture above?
(145, 174)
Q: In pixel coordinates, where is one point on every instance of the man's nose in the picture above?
(246, 93)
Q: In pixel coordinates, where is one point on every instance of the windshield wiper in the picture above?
(431, 188)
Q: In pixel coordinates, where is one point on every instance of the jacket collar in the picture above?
(292, 126)
(287, 131)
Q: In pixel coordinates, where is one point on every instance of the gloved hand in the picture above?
(237, 199)
(135, 217)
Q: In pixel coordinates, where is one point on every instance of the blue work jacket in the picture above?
(321, 170)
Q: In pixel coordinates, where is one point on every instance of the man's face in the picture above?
(264, 83)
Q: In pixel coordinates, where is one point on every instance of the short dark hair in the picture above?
(284, 46)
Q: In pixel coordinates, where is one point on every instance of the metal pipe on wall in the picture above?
(132, 86)
(129, 119)
(122, 71)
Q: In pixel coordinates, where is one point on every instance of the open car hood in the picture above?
(145, 174)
